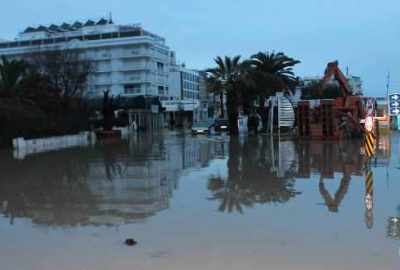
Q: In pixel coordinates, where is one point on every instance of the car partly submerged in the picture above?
(221, 125)
(201, 127)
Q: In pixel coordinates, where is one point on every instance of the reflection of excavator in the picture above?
(333, 203)
(330, 159)
(349, 109)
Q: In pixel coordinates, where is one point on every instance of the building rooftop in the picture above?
(66, 27)
(81, 30)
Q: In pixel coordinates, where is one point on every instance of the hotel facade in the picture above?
(127, 59)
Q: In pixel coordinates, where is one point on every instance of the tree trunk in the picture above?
(221, 99)
(233, 123)
(264, 114)
(233, 113)
(234, 161)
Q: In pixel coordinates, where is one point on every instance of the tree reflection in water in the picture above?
(47, 190)
(251, 178)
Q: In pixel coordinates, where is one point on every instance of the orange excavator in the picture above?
(349, 107)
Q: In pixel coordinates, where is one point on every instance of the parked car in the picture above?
(201, 127)
(221, 125)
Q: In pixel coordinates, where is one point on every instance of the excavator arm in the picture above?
(332, 69)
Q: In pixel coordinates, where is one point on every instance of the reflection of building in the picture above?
(382, 151)
(142, 182)
(393, 227)
(194, 152)
(106, 185)
(139, 190)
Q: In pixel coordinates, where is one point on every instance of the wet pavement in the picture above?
(202, 203)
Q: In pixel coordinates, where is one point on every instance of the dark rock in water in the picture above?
(130, 242)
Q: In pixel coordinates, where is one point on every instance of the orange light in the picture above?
(369, 123)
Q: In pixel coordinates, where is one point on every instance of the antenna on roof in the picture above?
(387, 85)
(110, 18)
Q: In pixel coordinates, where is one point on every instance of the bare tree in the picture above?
(66, 71)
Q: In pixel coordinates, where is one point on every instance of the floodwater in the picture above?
(202, 203)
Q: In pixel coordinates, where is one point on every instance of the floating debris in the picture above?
(130, 242)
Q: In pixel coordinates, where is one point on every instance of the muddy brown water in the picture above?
(202, 203)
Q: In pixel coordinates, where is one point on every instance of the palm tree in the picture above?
(11, 76)
(214, 86)
(272, 72)
(231, 74)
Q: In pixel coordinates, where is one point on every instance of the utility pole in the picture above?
(387, 85)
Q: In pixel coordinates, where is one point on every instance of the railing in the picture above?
(24, 147)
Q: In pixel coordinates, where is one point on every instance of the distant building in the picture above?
(128, 60)
(183, 83)
(187, 93)
(354, 82)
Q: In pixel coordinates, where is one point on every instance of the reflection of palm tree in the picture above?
(231, 196)
(250, 179)
(49, 188)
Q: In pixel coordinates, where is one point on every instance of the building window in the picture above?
(59, 40)
(132, 89)
(160, 67)
(161, 90)
(106, 36)
(92, 37)
(36, 42)
(13, 44)
(75, 38)
(129, 34)
(24, 43)
(48, 41)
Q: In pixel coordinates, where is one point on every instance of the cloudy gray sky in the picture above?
(362, 34)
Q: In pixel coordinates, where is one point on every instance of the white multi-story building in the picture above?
(128, 60)
(183, 83)
(185, 87)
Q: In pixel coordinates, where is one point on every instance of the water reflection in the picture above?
(104, 185)
(179, 182)
(265, 169)
(252, 178)
(128, 182)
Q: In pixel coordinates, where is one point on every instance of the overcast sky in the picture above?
(362, 34)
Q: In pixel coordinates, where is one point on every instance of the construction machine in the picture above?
(348, 104)
(332, 119)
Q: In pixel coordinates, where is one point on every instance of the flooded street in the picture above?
(202, 203)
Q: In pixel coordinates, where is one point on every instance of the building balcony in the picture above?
(125, 68)
(134, 54)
